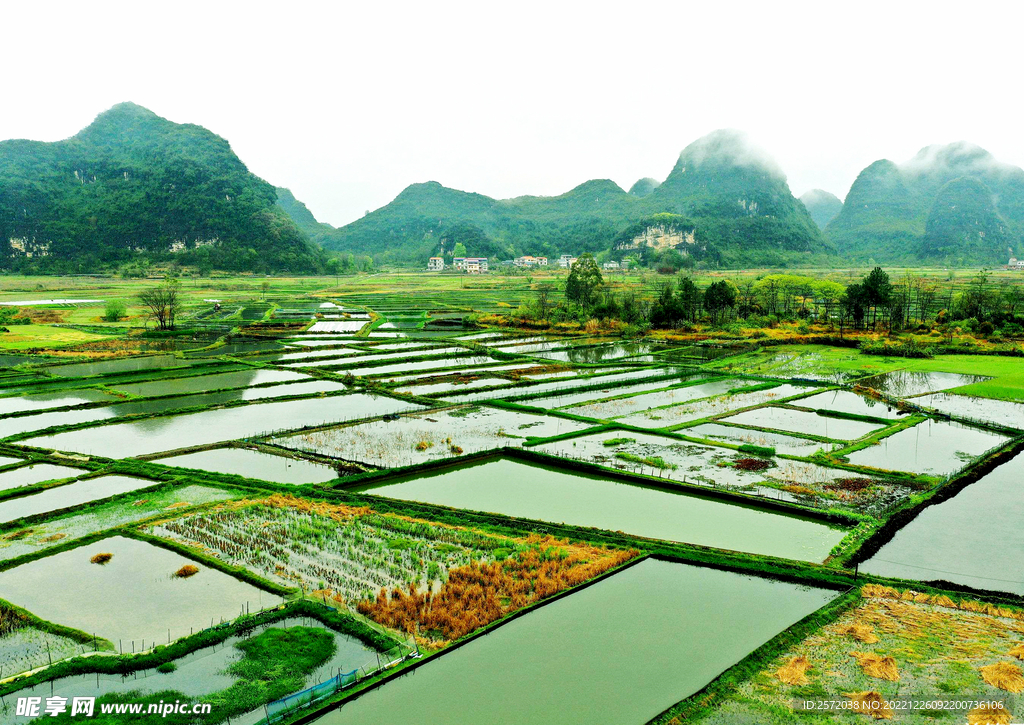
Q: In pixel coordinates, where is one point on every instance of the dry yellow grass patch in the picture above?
(877, 666)
(870, 703)
(1004, 675)
(1017, 652)
(989, 715)
(338, 512)
(877, 591)
(794, 672)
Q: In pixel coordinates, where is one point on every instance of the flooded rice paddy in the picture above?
(934, 447)
(535, 492)
(616, 653)
(974, 538)
(72, 494)
(254, 464)
(68, 589)
(154, 435)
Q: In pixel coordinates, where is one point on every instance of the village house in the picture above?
(436, 264)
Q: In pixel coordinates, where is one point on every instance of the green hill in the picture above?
(822, 206)
(739, 201)
(949, 204)
(133, 185)
(300, 214)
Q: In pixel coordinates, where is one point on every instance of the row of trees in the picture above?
(876, 301)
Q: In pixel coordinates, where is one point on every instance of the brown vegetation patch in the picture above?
(875, 665)
(52, 537)
(1004, 675)
(752, 464)
(480, 593)
(989, 715)
(338, 512)
(849, 484)
(870, 703)
(794, 672)
(18, 534)
(1017, 652)
(186, 571)
(102, 558)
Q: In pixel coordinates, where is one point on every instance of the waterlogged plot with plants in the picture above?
(409, 574)
(747, 472)
(744, 396)
(428, 436)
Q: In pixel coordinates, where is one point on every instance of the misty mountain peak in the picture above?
(726, 148)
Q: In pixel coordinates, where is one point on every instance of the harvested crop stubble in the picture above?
(989, 715)
(878, 591)
(102, 558)
(1017, 652)
(870, 703)
(1004, 675)
(480, 593)
(794, 672)
(878, 666)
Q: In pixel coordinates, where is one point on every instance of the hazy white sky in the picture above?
(347, 103)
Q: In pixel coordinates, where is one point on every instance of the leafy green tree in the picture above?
(460, 250)
(584, 281)
(719, 297)
(115, 310)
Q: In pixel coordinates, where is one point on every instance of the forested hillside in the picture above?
(136, 186)
(951, 204)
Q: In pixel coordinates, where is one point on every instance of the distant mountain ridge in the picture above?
(133, 184)
(736, 197)
(949, 204)
(822, 206)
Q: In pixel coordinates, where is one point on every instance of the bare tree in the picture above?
(163, 302)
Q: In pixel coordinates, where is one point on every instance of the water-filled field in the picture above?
(418, 438)
(974, 538)
(536, 492)
(935, 447)
(69, 589)
(35, 473)
(800, 421)
(254, 464)
(72, 494)
(143, 437)
(1000, 412)
(717, 405)
(616, 653)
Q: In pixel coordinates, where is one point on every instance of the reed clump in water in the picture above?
(186, 571)
(102, 558)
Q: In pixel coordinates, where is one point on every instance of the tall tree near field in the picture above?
(584, 281)
(163, 302)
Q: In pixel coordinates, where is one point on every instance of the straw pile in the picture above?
(877, 666)
(1017, 652)
(1004, 675)
(794, 672)
(870, 703)
(878, 591)
(861, 632)
(101, 558)
(989, 715)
